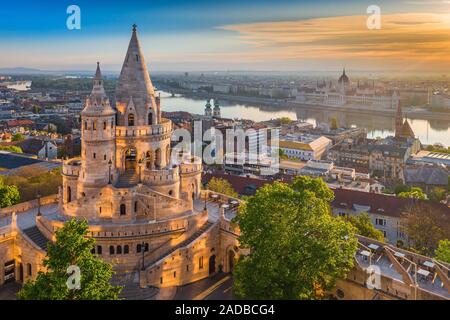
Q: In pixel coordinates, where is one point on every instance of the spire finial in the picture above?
(98, 73)
(134, 27)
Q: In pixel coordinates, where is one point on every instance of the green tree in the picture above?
(9, 195)
(285, 120)
(425, 227)
(15, 149)
(297, 249)
(221, 186)
(399, 188)
(72, 247)
(414, 193)
(282, 155)
(18, 137)
(443, 251)
(437, 194)
(365, 227)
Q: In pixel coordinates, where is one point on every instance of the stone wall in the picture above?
(25, 206)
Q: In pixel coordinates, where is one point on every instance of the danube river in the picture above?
(428, 131)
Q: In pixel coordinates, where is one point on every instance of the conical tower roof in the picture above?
(97, 103)
(134, 80)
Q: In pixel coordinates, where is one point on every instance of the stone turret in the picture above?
(97, 134)
(134, 83)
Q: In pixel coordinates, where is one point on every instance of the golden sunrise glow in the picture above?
(408, 41)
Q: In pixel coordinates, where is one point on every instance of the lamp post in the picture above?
(38, 196)
(140, 165)
(109, 171)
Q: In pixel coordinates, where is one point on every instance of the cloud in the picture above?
(408, 40)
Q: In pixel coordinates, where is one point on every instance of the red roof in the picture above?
(19, 123)
(240, 184)
(379, 203)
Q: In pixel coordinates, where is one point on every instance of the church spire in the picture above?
(134, 81)
(97, 89)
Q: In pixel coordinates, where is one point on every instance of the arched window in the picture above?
(111, 249)
(104, 125)
(29, 271)
(119, 249)
(126, 249)
(123, 209)
(94, 125)
(135, 206)
(170, 192)
(146, 247)
(131, 119)
(69, 194)
(150, 118)
(99, 249)
(85, 125)
(138, 248)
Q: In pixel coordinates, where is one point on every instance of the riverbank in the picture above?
(292, 104)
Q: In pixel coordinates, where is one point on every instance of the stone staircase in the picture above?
(127, 179)
(37, 237)
(192, 238)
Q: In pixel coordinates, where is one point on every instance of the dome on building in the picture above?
(343, 78)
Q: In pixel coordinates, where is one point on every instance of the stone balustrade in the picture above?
(164, 127)
(162, 176)
(71, 167)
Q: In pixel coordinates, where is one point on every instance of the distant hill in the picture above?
(21, 70)
(34, 71)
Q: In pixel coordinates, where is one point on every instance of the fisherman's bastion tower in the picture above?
(148, 214)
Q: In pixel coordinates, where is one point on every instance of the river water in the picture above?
(428, 131)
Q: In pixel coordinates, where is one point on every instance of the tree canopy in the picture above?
(9, 195)
(443, 251)
(15, 149)
(18, 137)
(221, 186)
(425, 227)
(72, 247)
(413, 193)
(297, 249)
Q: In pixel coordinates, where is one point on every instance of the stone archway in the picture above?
(149, 160)
(231, 260)
(212, 264)
(130, 159)
(158, 158)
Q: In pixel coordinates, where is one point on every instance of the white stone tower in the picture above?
(97, 135)
(208, 110)
(216, 110)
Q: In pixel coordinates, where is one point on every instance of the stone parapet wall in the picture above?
(25, 206)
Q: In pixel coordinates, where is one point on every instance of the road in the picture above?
(217, 287)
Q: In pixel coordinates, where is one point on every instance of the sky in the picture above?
(257, 35)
